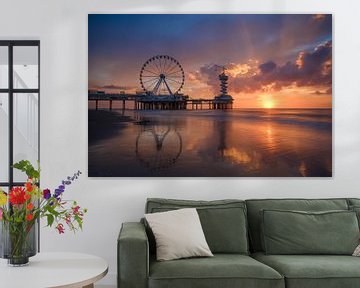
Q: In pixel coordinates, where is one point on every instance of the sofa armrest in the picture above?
(133, 256)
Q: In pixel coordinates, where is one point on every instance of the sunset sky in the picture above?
(273, 61)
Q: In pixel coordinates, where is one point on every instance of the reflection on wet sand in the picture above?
(158, 146)
(249, 162)
(216, 143)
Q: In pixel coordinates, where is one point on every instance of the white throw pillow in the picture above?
(357, 251)
(178, 234)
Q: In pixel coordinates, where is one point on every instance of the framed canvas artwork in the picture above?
(210, 95)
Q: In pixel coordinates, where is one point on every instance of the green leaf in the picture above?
(50, 219)
(26, 167)
(79, 221)
(53, 211)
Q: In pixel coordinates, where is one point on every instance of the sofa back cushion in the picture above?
(298, 232)
(353, 202)
(354, 205)
(223, 221)
(255, 206)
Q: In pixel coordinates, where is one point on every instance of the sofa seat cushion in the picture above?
(314, 271)
(222, 270)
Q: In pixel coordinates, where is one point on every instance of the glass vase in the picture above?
(18, 242)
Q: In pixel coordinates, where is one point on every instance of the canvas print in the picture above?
(185, 95)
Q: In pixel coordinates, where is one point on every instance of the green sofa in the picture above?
(233, 231)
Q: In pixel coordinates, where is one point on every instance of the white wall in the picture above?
(61, 25)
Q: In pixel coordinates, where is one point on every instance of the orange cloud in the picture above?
(319, 17)
(308, 75)
(248, 69)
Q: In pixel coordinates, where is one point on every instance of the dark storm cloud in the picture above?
(267, 67)
(310, 68)
(114, 87)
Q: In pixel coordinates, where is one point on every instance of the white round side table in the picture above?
(50, 270)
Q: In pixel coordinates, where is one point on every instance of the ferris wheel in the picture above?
(162, 75)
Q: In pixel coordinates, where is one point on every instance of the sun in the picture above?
(268, 104)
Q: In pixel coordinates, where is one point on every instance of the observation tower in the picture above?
(224, 100)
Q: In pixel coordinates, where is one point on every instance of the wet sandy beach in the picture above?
(208, 143)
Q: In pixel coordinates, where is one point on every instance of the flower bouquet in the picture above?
(21, 208)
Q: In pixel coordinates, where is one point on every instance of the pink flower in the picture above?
(76, 210)
(1, 213)
(68, 219)
(60, 228)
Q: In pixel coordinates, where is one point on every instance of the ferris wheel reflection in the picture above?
(158, 147)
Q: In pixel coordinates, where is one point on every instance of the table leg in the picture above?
(89, 286)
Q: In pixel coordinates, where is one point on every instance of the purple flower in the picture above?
(64, 183)
(46, 194)
(58, 192)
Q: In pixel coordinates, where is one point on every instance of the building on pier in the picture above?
(161, 102)
(224, 100)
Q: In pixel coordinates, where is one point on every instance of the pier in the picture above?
(111, 99)
(144, 102)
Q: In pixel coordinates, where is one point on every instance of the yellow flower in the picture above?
(3, 198)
